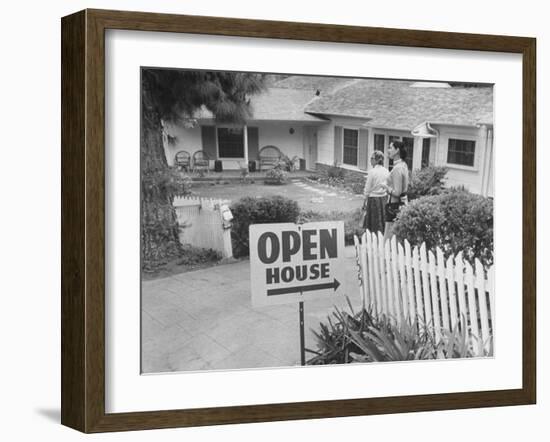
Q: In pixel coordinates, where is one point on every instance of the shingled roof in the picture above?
(283, 104)
(278, 104)
(395, 104)
(392, 104)
(325, 85)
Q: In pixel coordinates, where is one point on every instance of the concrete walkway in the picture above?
(204, 320)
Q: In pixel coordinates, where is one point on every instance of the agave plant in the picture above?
(364, 337)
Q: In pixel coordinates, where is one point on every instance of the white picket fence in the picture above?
(422, 285)
(203, 225)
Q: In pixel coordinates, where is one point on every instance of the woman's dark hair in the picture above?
(402, 149)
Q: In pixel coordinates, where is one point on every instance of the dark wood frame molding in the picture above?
(83, 217)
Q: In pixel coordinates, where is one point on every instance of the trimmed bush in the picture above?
(427, 181)
(248, 210)
(455, 221)
(276, 176)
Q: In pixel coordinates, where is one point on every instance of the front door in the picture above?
(310, 147)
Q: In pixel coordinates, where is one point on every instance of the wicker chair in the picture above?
(201, 161)
(269, 156)
(182, 160)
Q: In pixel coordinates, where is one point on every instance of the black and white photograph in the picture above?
(255, 221)
(299, 220)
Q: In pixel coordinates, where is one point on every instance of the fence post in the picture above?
(377, 271)
(370, 265)
(426, 286)
(383, 265)
(459, 278)
(472, 306)
(482, 299)
(434, 295)
(418, 286)
(403, 280)
(410, 288)
(442, 288)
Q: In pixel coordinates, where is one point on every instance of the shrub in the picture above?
(287, 164)
(332, 174)
(192, 255)
(353, 221)
(455, 221)
(355, 183)
(276, 176)
(340, 177)
(334, 171)
(171, 180)
(249, 210)
(427, 181)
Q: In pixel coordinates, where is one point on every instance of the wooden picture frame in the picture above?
(83, 220)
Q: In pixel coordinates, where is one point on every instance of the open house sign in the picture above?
(291, 263)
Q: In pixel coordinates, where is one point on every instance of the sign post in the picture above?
(295, 263)
(302, 335)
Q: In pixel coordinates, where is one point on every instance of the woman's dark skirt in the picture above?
(375, 218)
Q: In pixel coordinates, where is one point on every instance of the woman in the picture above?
(375, 194)
(398, 184)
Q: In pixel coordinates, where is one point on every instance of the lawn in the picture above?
(310, 196)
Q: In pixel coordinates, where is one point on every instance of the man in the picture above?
(397, 185)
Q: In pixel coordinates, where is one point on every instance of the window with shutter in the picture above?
(351, 143)
(230, 142)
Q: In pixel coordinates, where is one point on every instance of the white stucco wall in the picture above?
(470, 177)
(189, 140)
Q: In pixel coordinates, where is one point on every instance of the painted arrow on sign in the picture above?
(305, 288)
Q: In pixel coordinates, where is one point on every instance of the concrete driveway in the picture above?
(204, 320)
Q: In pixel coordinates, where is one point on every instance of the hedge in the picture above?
(264, 210)
(455, 221)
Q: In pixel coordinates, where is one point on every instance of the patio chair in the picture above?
(201, 161)
(269, 156)
(182, 160)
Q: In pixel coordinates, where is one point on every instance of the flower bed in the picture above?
(335, 176)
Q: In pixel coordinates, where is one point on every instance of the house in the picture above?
(327, 121)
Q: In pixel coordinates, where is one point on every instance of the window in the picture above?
(461, 152)
(351, 142)
(379, 142)
(230, 142)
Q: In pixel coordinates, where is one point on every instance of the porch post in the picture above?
(483, 159)
(417, 153)
(245, 139)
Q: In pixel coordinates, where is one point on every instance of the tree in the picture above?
(174, 96)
